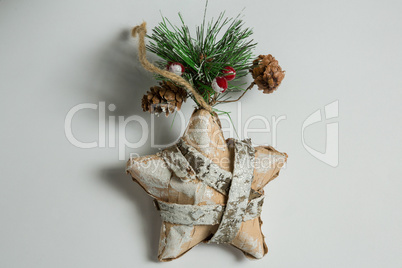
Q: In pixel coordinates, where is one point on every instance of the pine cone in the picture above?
(164, 98)
(267, 73)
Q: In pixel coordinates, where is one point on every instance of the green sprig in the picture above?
(217, 44)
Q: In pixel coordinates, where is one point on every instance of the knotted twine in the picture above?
(141, 30)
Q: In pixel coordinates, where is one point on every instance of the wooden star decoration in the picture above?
(204, 190)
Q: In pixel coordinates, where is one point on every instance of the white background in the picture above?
(62, 206)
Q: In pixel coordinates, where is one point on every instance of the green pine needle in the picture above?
(217, 44)
(230, 118)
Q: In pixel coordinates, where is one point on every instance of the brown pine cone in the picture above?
(267, 73)
(164, 98)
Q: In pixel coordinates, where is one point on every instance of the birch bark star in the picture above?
(208, 189)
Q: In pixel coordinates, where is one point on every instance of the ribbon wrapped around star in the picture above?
(208, 189)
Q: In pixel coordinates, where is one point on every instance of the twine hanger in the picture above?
(141, 30)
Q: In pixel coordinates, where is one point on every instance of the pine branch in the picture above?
(217, 44)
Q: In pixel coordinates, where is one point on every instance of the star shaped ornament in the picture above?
(208, 189)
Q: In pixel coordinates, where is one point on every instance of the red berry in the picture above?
(229, 73)
(176, 68)
(219, 84)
